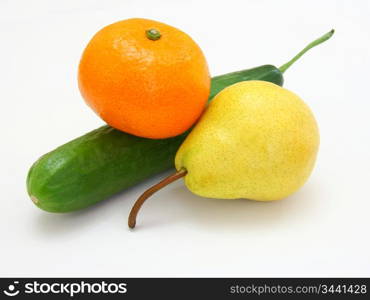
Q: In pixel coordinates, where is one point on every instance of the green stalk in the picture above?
(316, 42)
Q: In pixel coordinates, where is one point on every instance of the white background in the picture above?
(323, 230)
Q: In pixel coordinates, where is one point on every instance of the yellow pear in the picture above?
(256, 141)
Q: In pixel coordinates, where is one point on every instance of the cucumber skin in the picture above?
(96, 166)
(266, 73)
(105, 161)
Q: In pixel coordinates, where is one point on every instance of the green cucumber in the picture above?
(105, 161)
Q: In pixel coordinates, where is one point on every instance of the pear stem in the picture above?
(316, 42)
(140, 201)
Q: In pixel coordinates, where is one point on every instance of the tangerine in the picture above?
(144, 77)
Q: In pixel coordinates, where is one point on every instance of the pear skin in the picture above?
(256, 140)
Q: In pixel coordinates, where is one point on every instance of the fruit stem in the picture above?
(139, 202)
(153, 34)
(316, 42)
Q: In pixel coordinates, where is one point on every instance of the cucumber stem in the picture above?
(316, 42)
(140, 201)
